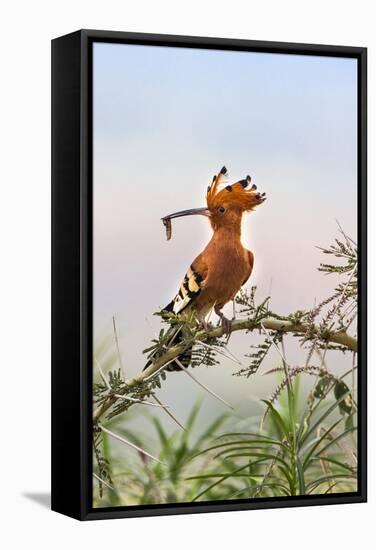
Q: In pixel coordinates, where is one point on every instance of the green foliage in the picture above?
(304, 445)
(189, 329)
(102, 463)
(259, 355)
(295, 453)
(144, 481)
(334, 314)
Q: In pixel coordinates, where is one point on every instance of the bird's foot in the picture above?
(206, 325)
(233, 311)
(225, 323)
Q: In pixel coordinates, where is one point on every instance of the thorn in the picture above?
(117, 347)
(223, 170)
(103, 481)
(153, 374)
(133, 400)
(102, 373)
(233, 358)
(123, 440)
(164, 407)
(203, 385)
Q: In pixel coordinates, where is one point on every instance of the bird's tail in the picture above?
(185, 358)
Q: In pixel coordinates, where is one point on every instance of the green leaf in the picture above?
(261, 486)
(319, 421)
(336, 439)
(335, 462)
(258, 455)
(163, 438)
(319, 440)
(222, 478)
(211, 429)
(324, 479)
(258, 437)
(345, 405)
(349, 422)
(299, 467)
(279, 422)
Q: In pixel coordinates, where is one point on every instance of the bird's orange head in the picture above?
(226, 203)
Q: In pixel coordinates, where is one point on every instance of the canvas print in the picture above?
(225, 271)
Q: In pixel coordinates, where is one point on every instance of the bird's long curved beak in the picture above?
(191, 212)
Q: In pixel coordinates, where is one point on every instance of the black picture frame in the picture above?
(72, 271)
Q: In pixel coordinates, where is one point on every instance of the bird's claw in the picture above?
(206, 325)
(226, 325)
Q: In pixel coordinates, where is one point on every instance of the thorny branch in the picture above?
(277, 325)
(328, 332)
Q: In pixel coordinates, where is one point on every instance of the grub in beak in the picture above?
(191, 212)
(168, 226)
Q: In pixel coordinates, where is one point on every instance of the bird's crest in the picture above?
(236, 195)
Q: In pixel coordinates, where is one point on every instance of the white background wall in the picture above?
(27, 28)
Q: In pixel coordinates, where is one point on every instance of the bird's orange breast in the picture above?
(228, 267)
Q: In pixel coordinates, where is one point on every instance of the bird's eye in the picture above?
(221, 209)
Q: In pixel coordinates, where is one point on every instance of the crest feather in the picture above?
(236, 195)
(218, 179)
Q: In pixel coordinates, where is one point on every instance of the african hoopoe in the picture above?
(222, 268)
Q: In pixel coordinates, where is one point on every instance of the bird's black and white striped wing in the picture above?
(189, 289)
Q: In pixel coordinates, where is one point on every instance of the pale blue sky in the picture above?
(165, 120)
